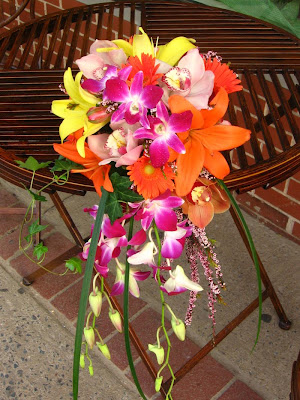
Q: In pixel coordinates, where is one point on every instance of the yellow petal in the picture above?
(174, 50)
(88, 97)
(89, 129)
(142, 44)
(72, 88)
(80, 146)
(66, 108)
(124, 45)
(70, 125)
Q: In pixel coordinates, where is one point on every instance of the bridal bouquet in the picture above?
(145, 123)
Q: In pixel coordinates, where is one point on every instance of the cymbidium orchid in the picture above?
(205, 199)
(162, 132)
(190, 80)
(134, 276)
(179, 282)
(102, 53)
(135, 101)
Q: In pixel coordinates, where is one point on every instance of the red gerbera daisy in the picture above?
(224, 77)
(147, 65)
(150, 181)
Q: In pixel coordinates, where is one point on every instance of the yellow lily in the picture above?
(74, 111)
(170, 53)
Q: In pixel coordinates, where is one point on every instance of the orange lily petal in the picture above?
(216, 164)
(189, 165)
(223, 137)
(220, 103)
(201, 215)
(179, 104)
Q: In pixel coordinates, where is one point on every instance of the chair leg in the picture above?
(284, 322)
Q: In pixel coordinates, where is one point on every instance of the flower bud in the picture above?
(89, 335)
(91, 370)
(104, 350)
(115, 318)
(158, 351)
(81, 362)
(178, 328)
(97, 114)
(95, 300)
(158, 382)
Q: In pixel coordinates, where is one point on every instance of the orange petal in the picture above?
(216, 164)
(224, 137)
(219, 199)
(179, 104)
(202, 215)
(220, 103)
(189, 165)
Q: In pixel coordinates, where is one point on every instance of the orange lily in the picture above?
(97, 173)
(204, 141)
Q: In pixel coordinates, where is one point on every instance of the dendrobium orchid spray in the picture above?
(145, 123)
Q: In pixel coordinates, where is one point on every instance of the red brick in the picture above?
(7, 199)
(68, 302)
(146, 325)
(51, 8)
(294, 189)
(145, 379)
(296, 230)
(262, 209)
(10, 221)
(296, 176)
(9, 244)
(70, 3)
(118, 353)
(239, 391)
(279, 200)
(206, 379)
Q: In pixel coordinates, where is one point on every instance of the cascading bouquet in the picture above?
(146, 124)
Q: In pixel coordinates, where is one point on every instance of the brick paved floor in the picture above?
(209, 380)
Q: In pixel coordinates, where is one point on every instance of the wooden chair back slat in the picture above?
(11, 9)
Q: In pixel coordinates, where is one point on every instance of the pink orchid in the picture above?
(163, 131)
(134, 276)
(135, 101)
(120, 146)
(173, 243)
(179, 282)
(190, 80)
(143, 256)
(161, 210)
(92, 65)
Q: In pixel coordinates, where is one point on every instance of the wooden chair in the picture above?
(10, 10)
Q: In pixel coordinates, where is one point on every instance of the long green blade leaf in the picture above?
(126, 319)
(253, 251)
(85, 292)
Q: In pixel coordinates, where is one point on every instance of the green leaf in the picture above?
(85, 292)
(32, 164)
(39, 250)
(74, 264)
(36, 196)
(63, 164)
(35, 227)
(113, 208)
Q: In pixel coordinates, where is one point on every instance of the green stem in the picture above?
(85, 290)
(253, 252)
(163, 304)
(126, 318)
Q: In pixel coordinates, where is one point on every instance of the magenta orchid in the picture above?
(135, 101)
(163, 129)
(179, 282)
(134, 276)
(173, 243)
(161, 210)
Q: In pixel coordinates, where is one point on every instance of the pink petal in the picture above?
(159, 153)
(166, 219)
(102, 269)
(117, 90)
(97, 145)
(137, 84)
(90, 63)
(180, 122)
(162, 112)
(175, 143)
(202, 215)
(194, 63)
(117, 288)
(119, 113)
(138, 238)
(151, 96)
(141, 275)
(113, 230)
(171, 248)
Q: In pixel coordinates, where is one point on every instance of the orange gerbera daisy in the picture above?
(97, 173)
(224, 76)
(147, 65)
(150, 181)
(204, 141)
